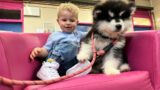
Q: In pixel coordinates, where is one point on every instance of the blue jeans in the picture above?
(65, 54)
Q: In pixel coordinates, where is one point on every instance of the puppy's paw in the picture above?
(82, 57)
(111, 71)
(124, 67)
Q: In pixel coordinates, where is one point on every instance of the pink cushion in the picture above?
(135, 80)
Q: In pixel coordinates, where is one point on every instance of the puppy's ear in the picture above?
(132, 7)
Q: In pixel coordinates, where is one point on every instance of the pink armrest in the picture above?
(15, 63)
(143, 51)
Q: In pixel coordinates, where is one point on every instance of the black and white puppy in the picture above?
(111, 19)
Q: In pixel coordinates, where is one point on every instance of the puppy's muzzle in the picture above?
(118, 27)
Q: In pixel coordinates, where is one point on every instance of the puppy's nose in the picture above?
(118, 27)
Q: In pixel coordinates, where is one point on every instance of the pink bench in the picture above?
(143, 52)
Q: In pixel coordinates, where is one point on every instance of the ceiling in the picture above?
(85, 2)
(89, 2)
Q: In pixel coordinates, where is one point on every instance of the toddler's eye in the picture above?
(64, 20)
(72, 20)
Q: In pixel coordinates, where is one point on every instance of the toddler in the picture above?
(62, 46)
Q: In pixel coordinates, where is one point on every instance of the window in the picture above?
(10, 14)
(142, 20)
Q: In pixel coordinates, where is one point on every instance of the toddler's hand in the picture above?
(35, 52)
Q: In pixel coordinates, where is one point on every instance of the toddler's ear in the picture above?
(57, 20)
(77, 21)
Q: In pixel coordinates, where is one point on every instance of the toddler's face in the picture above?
(67, 21)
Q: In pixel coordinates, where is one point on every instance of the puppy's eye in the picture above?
(95, 13)
(111, 14)
(125, 15)
(121, 13)
(109, 18)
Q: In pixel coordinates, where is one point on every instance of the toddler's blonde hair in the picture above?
(69, 7)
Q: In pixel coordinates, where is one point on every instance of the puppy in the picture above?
(111, 19)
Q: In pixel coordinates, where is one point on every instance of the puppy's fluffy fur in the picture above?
(111, 19)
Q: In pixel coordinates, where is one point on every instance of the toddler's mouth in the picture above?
(68, 27)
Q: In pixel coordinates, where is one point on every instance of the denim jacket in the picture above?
(63, 46)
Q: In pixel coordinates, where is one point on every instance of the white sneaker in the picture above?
(48, 70)
(78, 67)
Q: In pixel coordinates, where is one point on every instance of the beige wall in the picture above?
(142, 2)
(156, 12)
(47, 18)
